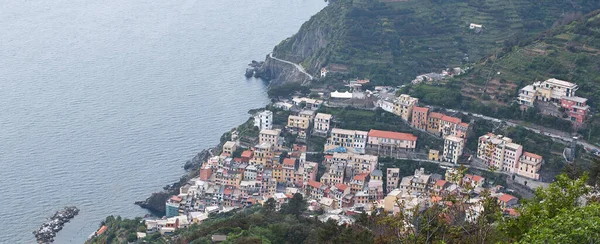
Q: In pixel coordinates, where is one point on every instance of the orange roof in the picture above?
(289, 161)
(440, 183)
(477, 178)
(506, 198)
(361, 176)
(532, 155)
(101, 230)
(176, 199)
(247, 154)
(436, 198)
(392, 135)
(420, 109)
(314, 184)
(328, 156)
(289, 195)
(511, 212)
(463, 124)
(436, 115)
(227, 191)
(341, 187)
(451, 119)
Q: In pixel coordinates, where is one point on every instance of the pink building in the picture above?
(419, 117)
(575, 107)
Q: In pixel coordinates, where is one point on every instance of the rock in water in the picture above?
(48, 230)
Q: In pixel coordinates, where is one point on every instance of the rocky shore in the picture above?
(155, 203)
(48, 230)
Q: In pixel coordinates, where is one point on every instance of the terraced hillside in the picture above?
(570, 52)
(392, 41)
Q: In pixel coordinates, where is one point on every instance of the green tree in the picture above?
(269, 205)
(557, 204)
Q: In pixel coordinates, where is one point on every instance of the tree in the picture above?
(295, 206)
(269, 205)
(555, 207)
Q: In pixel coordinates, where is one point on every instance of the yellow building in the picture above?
(228, 148)
(299, 125)
(403, 106)
(434, 155)
(263, 154)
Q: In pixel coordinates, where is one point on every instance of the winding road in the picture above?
(298, 67)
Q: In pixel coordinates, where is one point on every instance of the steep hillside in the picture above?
(569, 52)
(393, 40)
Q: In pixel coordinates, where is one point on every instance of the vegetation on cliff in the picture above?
(392, 41)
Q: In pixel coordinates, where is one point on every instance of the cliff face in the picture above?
(309, 48)
(280, 73)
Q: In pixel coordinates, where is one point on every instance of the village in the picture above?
(349, 179)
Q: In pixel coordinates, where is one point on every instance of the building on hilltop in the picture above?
(559, 92)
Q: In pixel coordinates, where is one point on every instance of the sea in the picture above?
(103, 101)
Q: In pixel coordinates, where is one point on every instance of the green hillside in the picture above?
(569, 52)
(394, 40)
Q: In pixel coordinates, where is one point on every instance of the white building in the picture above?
(264, 120)
(386, 105)
(453, 149)
(322, 122)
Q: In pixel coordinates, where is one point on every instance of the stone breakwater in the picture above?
(48, 230)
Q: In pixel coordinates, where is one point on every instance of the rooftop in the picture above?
(436, 115)
(560, 82)
(506, 198)
(323, 116)
(451, 119)
(420, 109)
(392, 135)
(270, 132)
(576, 99)
(532, 155)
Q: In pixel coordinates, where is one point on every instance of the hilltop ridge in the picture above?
(391, 42)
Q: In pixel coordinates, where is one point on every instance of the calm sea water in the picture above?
(103, 101)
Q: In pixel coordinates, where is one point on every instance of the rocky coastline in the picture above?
(155, 203)
(48, 230)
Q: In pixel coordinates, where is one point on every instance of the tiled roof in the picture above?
(247, 154)
(289, 161)
(314, 184)
(506, 198)
(477, 178)
(436, 115)
(420, 109)
(440, 183)
(341, 187)
(392, 135)
(451, 119)
(361, 176)
(532, 155)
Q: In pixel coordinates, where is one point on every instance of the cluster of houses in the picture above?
(503, 154)
(451, 129)
(421, 190)
(351, 178)
(559, 93)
